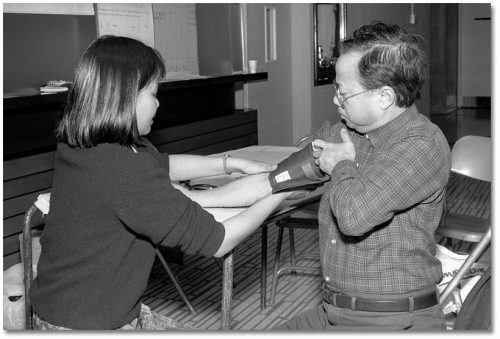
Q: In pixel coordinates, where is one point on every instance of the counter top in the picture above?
(194, 81)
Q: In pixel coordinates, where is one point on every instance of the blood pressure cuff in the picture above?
(298, 171)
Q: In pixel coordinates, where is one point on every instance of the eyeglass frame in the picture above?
(340, 97)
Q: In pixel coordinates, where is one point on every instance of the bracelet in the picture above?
(224, 164)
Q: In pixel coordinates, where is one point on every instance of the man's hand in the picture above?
(329, 154)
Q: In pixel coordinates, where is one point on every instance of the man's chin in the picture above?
(351, 125)
(348, 123)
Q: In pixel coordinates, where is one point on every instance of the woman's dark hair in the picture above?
(100, 107)
(390, 57)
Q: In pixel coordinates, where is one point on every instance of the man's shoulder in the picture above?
(423, 127)
(418, 126)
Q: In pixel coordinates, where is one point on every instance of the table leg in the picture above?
(263, 267)
(227, 291)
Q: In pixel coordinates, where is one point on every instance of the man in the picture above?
(389, 167)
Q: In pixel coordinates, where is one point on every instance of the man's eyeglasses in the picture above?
(341, 98)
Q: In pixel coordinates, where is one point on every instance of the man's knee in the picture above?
(314, 319)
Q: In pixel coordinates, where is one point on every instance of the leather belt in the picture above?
(373, 305)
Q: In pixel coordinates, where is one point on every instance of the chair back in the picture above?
(472, 157)
(27, 254)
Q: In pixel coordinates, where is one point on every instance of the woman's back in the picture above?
(108, 206)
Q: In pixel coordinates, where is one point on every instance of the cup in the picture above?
(252, 66)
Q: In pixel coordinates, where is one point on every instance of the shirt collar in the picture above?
(392, 128)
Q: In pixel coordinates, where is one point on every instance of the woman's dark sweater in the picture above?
(109, 208)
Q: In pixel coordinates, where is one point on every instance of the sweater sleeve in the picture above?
(149, 206)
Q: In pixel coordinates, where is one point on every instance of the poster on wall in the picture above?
(176, 38)
(131, 20)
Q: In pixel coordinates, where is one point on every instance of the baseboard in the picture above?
(476, 102)
(443, 110)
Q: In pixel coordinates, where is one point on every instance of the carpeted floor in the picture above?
(201, 277)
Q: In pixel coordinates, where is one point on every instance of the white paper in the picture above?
(176, 38)
(130, 20)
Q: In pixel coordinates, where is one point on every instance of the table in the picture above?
(269, 154)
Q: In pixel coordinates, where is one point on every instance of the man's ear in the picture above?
(387, 97)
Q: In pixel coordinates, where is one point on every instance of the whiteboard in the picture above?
(176, 38)
(130, 20)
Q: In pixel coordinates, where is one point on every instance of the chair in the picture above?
(471, 157)
(27, 255)
(451, 288)
(305, 218)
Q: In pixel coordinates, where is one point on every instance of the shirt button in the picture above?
(357, 164)
(327, 278)
(334, 241)
(366, 136)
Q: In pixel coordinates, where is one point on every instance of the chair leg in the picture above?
(442, 241)
(220, 263)
(471, 246)
(292, 249)
(276, 265)
(176, 282)
(457, 246)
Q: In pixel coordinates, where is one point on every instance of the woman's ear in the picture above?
(387, 97)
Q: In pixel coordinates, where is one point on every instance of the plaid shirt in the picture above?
(379, 213)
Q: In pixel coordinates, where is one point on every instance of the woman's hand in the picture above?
(246, 166)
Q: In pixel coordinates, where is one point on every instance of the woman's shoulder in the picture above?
(107, 155)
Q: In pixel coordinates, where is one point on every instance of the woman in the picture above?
(113, 200)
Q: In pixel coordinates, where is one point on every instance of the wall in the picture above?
(273, 98)
(444, 58)
(302, 78)
(475, 50)
(48, 48)
(219, 38)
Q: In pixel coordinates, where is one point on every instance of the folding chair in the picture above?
(451, 288)
(43, 203)
(471, 157)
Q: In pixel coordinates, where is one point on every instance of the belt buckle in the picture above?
(334, 298)
(332, 295)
